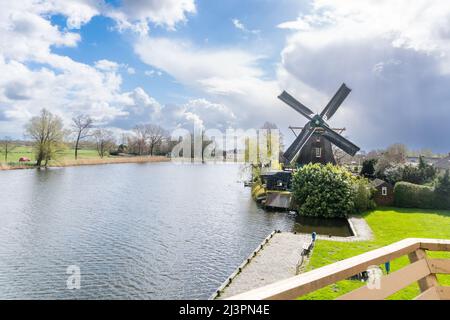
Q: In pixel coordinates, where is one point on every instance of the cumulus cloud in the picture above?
(136, 15)
(33, 76)
(106, 65)
(394, 54)
(229, 77)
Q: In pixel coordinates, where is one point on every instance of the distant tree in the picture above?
(82, 126)
(122, 148)
(421, 174)
(140, 138)
(368, 168)
(442, 191)
(104, 140)
(396, 153)
(6, 146)
(155, 136)
(393, 155)
(340, 156)
(427, 171)
(443, 184)
(47, 133)
(395, 174)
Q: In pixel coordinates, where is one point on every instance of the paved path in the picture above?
(278, 258)
(276, 261)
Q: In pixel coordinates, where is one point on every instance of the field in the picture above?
(389, 225)
(67, 158)
(23, 151)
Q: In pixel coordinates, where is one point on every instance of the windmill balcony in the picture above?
(422, 269)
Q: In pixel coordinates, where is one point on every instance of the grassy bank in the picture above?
(388, 225)
(66, 159)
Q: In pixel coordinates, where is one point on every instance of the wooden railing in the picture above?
(421, 269)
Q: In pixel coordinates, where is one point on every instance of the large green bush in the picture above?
(328, 191)
(363, 195)
(409, 195)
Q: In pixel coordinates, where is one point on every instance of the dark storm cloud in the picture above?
(399, 95)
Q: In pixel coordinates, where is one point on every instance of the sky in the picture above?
(222, 64)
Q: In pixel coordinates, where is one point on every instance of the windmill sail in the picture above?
(296, 147)
(336, 102)
(340, 141)
(296, 105)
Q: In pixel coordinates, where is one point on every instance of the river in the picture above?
(136, 231)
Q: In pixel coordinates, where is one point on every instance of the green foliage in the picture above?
(393, 174)
(442, 190)
(363, 195)
(409, 195)
(422, 174)
(368, 168)
(328, 191)
(443, 184)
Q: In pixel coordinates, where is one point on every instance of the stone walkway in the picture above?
(277, 259)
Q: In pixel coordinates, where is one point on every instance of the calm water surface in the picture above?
(137, 231)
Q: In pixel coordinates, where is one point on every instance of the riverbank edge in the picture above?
(91, 162)
(360, 229)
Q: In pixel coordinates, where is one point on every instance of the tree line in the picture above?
(49, 137)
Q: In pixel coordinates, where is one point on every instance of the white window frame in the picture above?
(318, 152)
(384, 191)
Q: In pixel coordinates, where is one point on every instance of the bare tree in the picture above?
(47, 133)
(105, 141)
(82, 126)
(340, 156)
(155, 136)
(141, 136)
(6, 146)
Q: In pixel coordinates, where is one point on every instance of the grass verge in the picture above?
(389, 225)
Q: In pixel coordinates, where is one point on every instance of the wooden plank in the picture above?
(430, 294)
(434, 244)
(428, 281)
(308, 282)
(444, 293)
(391, 283)
(439, 266)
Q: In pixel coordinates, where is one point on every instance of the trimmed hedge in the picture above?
(409, 195)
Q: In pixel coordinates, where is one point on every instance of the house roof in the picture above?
(443, 163)
(378, 182)
(275, 173)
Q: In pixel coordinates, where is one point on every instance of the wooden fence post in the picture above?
(430, 280)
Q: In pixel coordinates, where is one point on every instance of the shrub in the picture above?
(363, 195)
(368, 168)
(394, 174)
(442, 191)
(323, 191)
(409, 195)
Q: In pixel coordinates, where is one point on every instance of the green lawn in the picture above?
(68, 154)
(389, 225)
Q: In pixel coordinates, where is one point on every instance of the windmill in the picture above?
(314, 143)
